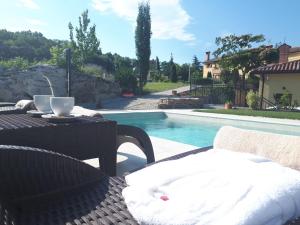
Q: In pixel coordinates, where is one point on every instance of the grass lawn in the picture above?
(249, 112)
(161, 86)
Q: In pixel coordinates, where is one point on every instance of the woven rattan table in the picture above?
(85, 138)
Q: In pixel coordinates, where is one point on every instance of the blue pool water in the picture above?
(193, 130)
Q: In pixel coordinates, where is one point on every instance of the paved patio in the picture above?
(130, 157)
(149, 101)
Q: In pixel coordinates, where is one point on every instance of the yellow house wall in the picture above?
(214, 69)
(205, 71)
(275, 82)
(294, 56)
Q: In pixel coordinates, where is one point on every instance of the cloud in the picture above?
(169, 19)
(30, 4)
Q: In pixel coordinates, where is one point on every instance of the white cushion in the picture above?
(284, 149)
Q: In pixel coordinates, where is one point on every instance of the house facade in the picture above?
(277, 78)
(211, 69)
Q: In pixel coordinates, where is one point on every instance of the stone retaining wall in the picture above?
(16, 85)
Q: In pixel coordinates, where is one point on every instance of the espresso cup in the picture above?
(42, 103)
(62, 106)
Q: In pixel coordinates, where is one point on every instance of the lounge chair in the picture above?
(43, 187)
(20, 107)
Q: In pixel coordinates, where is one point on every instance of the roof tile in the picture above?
(288, 67)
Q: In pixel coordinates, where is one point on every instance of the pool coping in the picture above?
(190, 112)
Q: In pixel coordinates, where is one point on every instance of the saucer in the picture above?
(36, 113)
(60, 119)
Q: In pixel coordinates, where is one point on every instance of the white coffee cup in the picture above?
(42, 103)
(62, 106)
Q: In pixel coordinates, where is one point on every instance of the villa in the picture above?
(277, 78)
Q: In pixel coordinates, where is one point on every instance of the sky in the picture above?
(182, 27)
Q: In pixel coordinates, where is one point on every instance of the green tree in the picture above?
(31, 46)
(184, 72)
(196, 63)
(58, 56)
(142, 42)
(124, 73)
(86, 46)
(172, 70)
(157, 65)
(157, 73)
(164, 67)
(236, 53)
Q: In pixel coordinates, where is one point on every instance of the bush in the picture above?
(18, 63)
(128, 82)
(163, 79)
(252, 99)
(285, 99)
(57, 56)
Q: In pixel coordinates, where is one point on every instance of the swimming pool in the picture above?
(194, 130)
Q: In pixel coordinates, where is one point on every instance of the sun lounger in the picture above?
(43, 187)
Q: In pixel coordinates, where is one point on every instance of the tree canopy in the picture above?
(237, 52)
(196, 63)
(32, 46)
(233, 44)
(86, 46)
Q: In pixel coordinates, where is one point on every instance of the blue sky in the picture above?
(185, 28)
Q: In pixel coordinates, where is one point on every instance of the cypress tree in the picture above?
(142, 42)
(172, 67)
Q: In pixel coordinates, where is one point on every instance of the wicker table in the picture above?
(85, 138)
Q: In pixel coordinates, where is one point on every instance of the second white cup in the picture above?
(62, 106)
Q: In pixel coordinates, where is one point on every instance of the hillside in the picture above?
(32, 46)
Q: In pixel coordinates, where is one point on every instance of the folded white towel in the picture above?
(24, 104)
(214, 188)
(80, 111)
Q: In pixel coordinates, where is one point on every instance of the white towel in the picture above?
(80, 111)
(24, 104)
(217, 187)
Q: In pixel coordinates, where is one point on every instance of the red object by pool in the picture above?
(127, 94)
(164, 198)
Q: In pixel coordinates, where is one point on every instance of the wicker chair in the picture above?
(47, 188)
(7, 104)
(137, 136)
(11, 108)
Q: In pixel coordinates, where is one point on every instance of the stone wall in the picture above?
(181, 103)
(16, 85)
